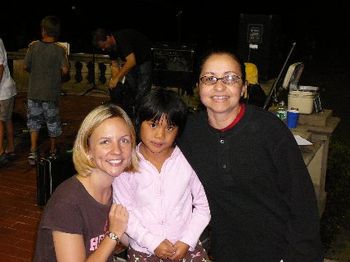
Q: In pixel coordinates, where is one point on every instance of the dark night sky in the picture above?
(165, 20)
(320, 30)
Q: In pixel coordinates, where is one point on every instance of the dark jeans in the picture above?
(140, 80)
(137, 83)
(123, 96)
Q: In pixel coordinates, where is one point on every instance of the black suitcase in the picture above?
(50, 172)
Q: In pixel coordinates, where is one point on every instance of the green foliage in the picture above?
(338, 188)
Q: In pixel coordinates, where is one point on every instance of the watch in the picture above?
(113, 236)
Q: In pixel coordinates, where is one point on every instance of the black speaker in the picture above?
(173, 65)
(259, 43)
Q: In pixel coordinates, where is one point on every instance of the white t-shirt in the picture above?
(7, 85)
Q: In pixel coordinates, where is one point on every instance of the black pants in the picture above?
(123, 96)
(137, 83)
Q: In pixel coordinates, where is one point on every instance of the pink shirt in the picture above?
(168, 205)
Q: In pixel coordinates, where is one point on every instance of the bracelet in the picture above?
(113, 236)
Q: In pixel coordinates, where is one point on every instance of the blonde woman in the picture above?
(80, 223)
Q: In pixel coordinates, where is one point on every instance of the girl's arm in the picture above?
(200, 214)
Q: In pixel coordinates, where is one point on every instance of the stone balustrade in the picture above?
(87, 72)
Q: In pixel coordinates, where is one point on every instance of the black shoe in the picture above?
(3, 159)
(53, 154)
(10, 155)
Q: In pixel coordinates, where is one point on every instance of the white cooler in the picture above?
(302, 99)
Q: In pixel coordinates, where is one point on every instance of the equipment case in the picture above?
(50, 172)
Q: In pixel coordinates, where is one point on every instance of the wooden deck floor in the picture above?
(19, 214)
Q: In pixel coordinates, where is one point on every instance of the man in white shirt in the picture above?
(7, 97)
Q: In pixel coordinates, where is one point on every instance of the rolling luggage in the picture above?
(50, 172)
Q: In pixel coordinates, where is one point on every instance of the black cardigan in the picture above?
(261, 196)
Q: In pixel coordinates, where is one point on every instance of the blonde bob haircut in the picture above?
(82, 162)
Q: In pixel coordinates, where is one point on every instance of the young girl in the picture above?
(168, 208)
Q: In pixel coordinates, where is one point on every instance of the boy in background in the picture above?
(46, 61)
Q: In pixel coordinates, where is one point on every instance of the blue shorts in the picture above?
(40, 112)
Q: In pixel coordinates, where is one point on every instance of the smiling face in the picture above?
(158, 136)
(110, 146)
(221, 97)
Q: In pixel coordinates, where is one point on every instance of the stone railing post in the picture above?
(84, 70)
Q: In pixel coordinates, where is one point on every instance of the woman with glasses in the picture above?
(260, 193)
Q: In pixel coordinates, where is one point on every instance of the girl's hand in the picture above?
(165, 249)
(181, 250)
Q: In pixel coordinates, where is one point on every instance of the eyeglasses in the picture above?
(229, 80)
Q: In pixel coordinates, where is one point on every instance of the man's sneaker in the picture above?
(32, 158)
(53, 154)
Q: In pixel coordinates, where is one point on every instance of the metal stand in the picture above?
(274, 90)
(93, 82)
